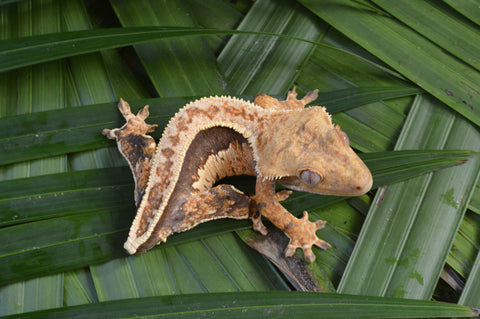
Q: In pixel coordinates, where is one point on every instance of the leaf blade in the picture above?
(400, 251)
(266, 304)
(109, 225)
(453, 82)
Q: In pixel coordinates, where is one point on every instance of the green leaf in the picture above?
(39, 93)
(411, 226)
(259, 304)
(341, 100)
(471, 292)
(43, 134)
(475, 201)
(406, 51)
(77, 289)
(16, 53)
(97, 213)
(41, 197)
(195, 68)
(466, 7)
(466, 246)
(266, 64)
(392, 167)
(442, 26)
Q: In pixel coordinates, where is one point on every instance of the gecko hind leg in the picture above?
(189, 210)
(135, 145)
(221, 201)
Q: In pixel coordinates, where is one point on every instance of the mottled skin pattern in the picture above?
(216, 137)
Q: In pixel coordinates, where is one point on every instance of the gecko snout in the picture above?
(363, 183)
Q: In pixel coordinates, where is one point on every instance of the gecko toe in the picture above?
(322, 244)
(124, 108)
(283, 195)
(151, 127)
(143, 113)
(309, 255)
(110, 134)
(310, 97)
(305, 215)
(292, 94)
(290, 250)
(258, 226)
(319, 224)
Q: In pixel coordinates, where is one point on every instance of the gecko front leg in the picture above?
(300, 231)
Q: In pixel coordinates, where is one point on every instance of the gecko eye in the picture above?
(310, 178)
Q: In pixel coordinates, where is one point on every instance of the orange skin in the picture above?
(216, 137)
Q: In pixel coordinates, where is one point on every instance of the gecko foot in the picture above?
(292, 103)
(282, 195)
(134, 123)
(258, 225)
(256, 217)
(302, 235)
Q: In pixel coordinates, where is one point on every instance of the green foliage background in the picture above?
(398, 75)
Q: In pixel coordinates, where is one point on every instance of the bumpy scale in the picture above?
(216, 137)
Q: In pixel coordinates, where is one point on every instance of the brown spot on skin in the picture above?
(301, 129)
(174, 139)
(288, 227)
(166, 166)
(195, 112)
(168, 152)
(182, 125)
(215, 109)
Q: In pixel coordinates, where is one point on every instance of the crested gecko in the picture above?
(215, 137)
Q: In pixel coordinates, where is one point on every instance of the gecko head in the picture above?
(315, 156)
